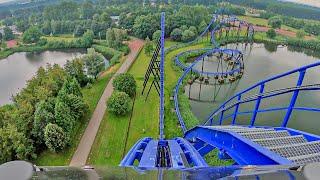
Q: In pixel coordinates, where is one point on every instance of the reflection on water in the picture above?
(262, 62)
(16, 69)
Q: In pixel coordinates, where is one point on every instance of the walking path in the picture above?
(80, 156)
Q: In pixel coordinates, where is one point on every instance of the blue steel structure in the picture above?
(162, 77)
(245, 144)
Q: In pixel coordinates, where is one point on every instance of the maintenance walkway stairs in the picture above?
(257, 145)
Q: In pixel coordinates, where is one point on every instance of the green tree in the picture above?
(71, 86)
(156, 36)
(31, 35)
(271, 33)
(71, 95)
(111, 38)
(7, 113)
(125, 83)
(119, 103)
(300, 34)
(78, 31)
(145, 26)
(275, 22)
(8, 34)
(46, 28)
(22, 25)
(148, 48)
(87, 38)
(87, 10)
(55, 137)
(75, 69)
(63, 116)
(94, 63)
(202, 26)
(188, 35)
(115, 37)
(105, 17)
(43, 115)
(14, 145)
(193, 29)
(176, 34)
(184, 27)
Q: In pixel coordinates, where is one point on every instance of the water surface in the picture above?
(262, 62)
(17, 68)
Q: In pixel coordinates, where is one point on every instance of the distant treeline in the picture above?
(283, 8)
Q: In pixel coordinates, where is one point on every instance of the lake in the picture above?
(263, 61)
(19, 67)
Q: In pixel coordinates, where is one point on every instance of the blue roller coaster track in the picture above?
(245, 144)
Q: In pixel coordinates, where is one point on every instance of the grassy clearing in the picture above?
(264, 22)
(261, 36)
(109, 144)
(64, 37)
(91, 97)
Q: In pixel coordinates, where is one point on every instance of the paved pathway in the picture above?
(80, 156)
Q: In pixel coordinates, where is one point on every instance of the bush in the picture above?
(193, 29)
(176, 34)
(300, 34)
(125, 83)
(275, 22)
(148, 47)
(125, 49)
(188, 35)
(63, 116)
(156, 36)
(31, 35)
(55, 138)
(271, 33)
(109, 53)
(119, 103)
(42, 42)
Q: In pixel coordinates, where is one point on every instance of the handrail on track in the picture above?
(238, 97)
(266, 95)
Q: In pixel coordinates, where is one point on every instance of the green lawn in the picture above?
(67, 38)
(264, 22)
(109, 144)
(91, 97)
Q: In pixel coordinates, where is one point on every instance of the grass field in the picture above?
(91, 97)
(66, 37)
(264, 22)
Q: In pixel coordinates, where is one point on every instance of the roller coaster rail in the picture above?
(239, 97)
(190, 68)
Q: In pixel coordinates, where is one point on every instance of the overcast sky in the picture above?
(309, 2)
(3, 1)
